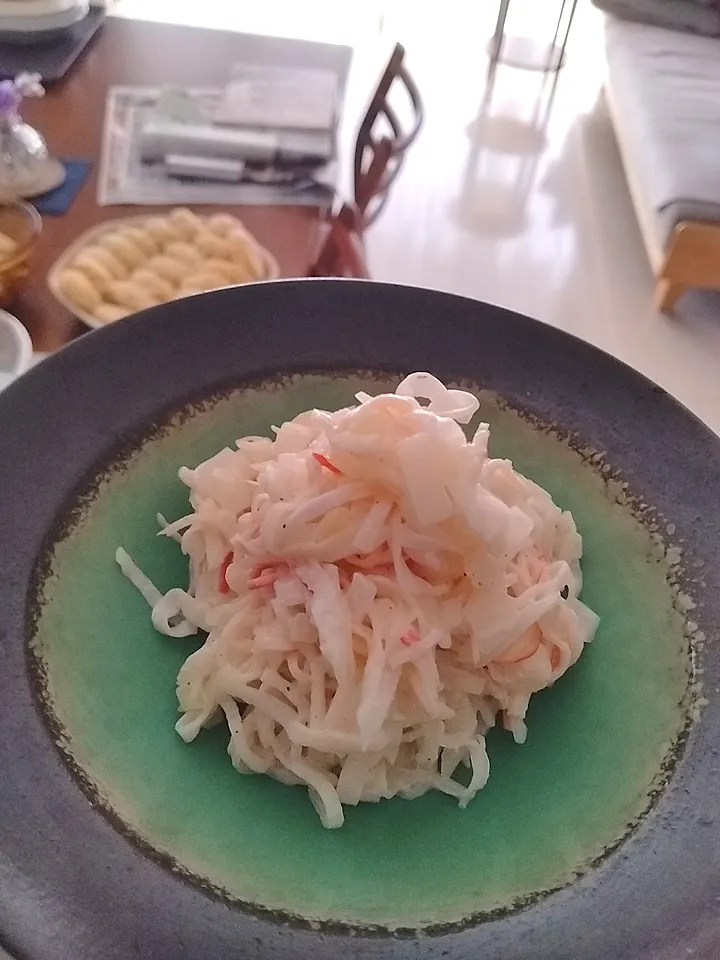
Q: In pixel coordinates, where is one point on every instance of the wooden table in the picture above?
(71, 114)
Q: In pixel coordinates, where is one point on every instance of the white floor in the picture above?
(537, 221)
(497, 204)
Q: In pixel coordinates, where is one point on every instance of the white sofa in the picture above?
(663, 93)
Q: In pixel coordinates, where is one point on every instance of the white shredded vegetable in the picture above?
(376, 591)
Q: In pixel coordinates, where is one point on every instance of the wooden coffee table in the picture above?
(70, 117)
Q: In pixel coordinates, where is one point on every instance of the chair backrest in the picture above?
(341, 253)
(381, 142)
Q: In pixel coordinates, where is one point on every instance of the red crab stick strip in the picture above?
(223, 586)
(324, 462)
(265, 574)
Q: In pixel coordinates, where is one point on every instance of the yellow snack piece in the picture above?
(7, 245)
(79, 290)
(153, 282)
(243, 252)
(204, 280)
(169, 268)
(94, 270)
(125, 250)
(142, 239)
(210, 245)
(160, 230)
(185, 223)
(223, 224)
(109, 312)
(186, 292)
(132, 296)
(99, 255)
(225, 268)
(185, 252)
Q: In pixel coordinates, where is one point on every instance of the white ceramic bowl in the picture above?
(15, 348)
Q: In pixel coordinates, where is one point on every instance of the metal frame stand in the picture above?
(528, 54)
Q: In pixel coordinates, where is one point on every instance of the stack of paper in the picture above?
(280, 98)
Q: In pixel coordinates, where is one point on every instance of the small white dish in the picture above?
(15, 348)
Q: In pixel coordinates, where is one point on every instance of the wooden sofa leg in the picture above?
(667, 293)
(692, 259)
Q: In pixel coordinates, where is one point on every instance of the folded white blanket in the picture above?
(666, 91)
(699, 16)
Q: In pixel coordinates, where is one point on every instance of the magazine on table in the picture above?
(124, 178)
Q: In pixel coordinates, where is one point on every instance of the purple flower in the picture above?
(28, 85)
(10, 98)
(13, 91)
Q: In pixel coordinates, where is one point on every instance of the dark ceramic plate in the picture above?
(597, 840)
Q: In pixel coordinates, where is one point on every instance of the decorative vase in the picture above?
(23, 156)
(26, 168)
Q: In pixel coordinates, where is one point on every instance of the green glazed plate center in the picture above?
(597, 746)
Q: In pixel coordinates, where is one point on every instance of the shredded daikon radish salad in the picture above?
(376, 591)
